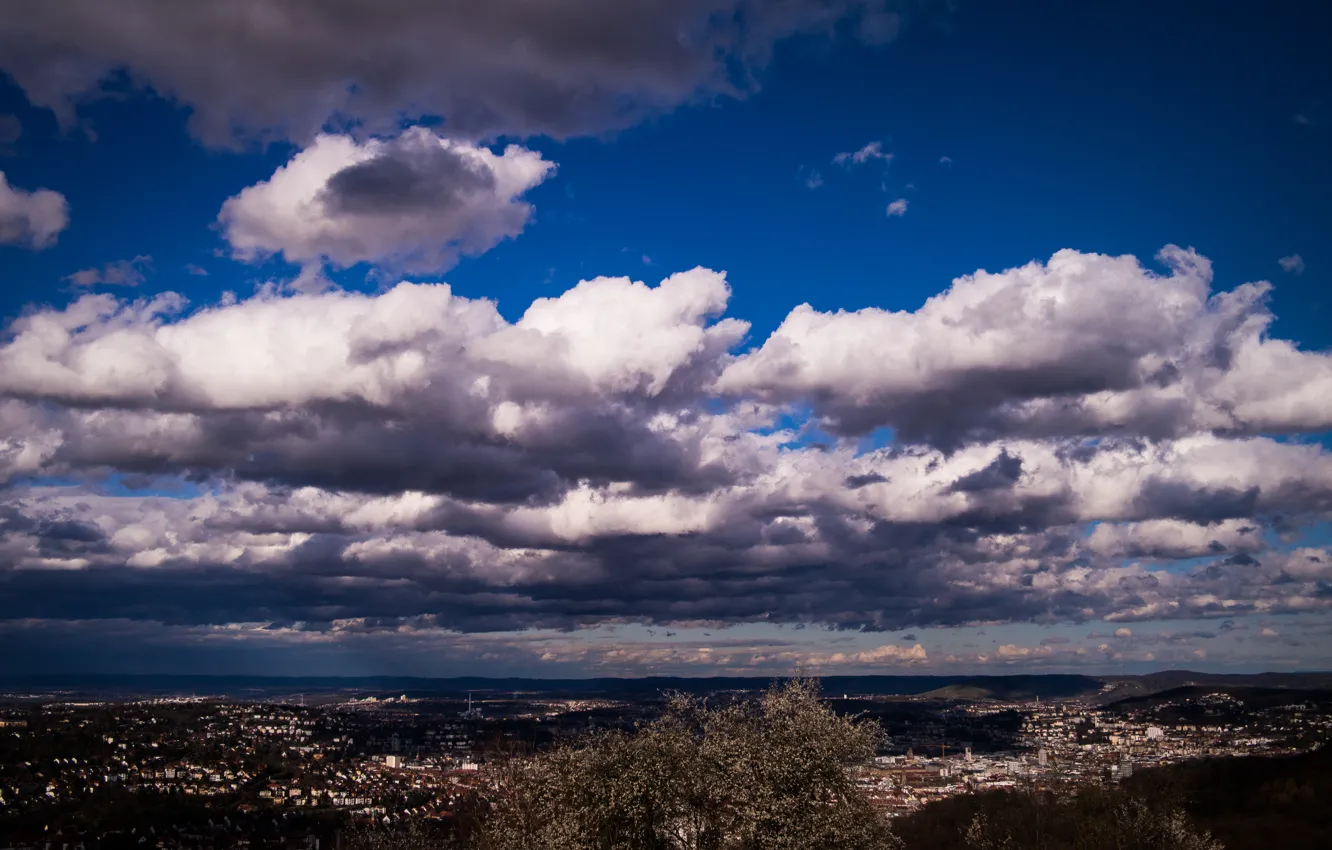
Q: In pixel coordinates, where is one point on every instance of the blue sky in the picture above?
(1012, 131)
(1067, 126)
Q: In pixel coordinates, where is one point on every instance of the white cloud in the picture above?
(898, 207)
(871, 151)
(1293, 264)
(887, 653)
(945, 160)
(1009, 650)
(1123, 633)
(608, 335)
(624, 336)
(416, 202)
(1170, 538)
(31, 219)
(1028, 351)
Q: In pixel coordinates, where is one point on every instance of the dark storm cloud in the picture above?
(415, 202)
(344, 449)
(409, 174)
(58, 535)
(1002, 473)
(974, 407)
(349, 565)
(69, 537)
(857, 481)
(1162, 498)
(567, 68)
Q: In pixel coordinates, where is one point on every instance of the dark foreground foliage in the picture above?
(1093, 819)
(771, 775)
(1242, 803)
(1252, 803)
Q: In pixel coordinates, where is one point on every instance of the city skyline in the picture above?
(718, 337)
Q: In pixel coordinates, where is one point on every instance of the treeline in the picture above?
(1092, 819)
(1252, 803)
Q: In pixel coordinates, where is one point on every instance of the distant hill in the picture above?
(960, 692)
(1011, 688)
(1105, 689)
(1125, 687)
(1252, 696)
(249, 687)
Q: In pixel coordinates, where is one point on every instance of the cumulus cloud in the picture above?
(118, 273)
(1009, 652)
(31, 219)
(885, 654)
(412, 457)
(415, 202)
(604, 336)
(1293, 264)
(499, 68)
(897, 207)
(598, 384)
(1029, 352)
(1171, 538)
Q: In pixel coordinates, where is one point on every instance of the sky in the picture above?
(689, 337)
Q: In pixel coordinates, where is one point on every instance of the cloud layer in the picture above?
(248, 67)
(411, 458)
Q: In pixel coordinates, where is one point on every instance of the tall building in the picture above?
(1125, 767)
(472, 713)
